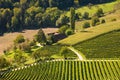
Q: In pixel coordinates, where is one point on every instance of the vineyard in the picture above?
(67, 70)
(105, 46)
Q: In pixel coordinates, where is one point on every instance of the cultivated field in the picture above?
(8, 38)
(105, 46)
(68, 70)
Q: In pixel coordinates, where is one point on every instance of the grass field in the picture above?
(67, 70)
(105, 46)
(90, 33)
(105, 6)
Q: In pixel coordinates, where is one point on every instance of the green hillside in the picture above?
(68, 70)
(105, 46)
(90, 33)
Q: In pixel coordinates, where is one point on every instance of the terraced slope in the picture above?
(90, 33)
(68, 70)
(105, 46)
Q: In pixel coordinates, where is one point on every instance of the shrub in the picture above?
(113, 19)
(99, 12)
(86, 15)
(3, 62)
(69, 32)
(19, 39)
(95, 21)
(86, 25)
(77, 15)
(63, 29)
(25, 47)
(40, 37)
(63, 51)
(63, 20)
(103, 21)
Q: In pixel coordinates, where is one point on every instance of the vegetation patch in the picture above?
(105, 46)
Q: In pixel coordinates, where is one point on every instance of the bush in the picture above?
(103, 21)
(113, 19)
(63, 29)
(95, 21)
(19, 39)
(63, 20)
(86, 15)
(99, 12)
(86, 25)
(64, 51)
(69, 32)
(25, 47)
(77, 15)
(3, 62)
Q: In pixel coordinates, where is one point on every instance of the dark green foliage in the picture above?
(64, 51)
(68, 32)
(19, 39)
(95, 21)
(78, 16)
(63, 20)
(61, 4)
(99, 12)
(19, 57)
(86, 2)
(3, 62)
(113, 19)
(86, 25)
(40, 36)
(103, 21)
(25, 47)
(72, 18)
(62, 29)
(85, 15)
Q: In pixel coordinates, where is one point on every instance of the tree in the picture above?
(86, 25)
(95, 21)
(19, 39)
(19, 57)
(99, 12)
(86, 15)
(72, 18)
(40, 36)
(68, 32)
(3, 62)
(64, 51)
(63, 20)
(62, 29)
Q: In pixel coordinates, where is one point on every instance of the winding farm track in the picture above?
(78, 53)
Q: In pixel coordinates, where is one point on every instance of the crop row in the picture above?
(68, 70)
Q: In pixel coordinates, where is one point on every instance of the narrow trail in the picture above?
(78, 53)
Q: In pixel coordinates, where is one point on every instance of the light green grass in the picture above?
(105, 6)
(90, 33)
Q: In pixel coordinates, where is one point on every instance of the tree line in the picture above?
(16, 15)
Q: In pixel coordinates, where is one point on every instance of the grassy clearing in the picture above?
(90, 33)
(105, 6)
(105, 46)
(108, 18)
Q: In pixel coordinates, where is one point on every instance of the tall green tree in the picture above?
(40, 37)
(72, 18)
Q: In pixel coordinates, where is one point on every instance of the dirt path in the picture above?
(78, 53)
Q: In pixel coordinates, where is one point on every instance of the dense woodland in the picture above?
(16, 15)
